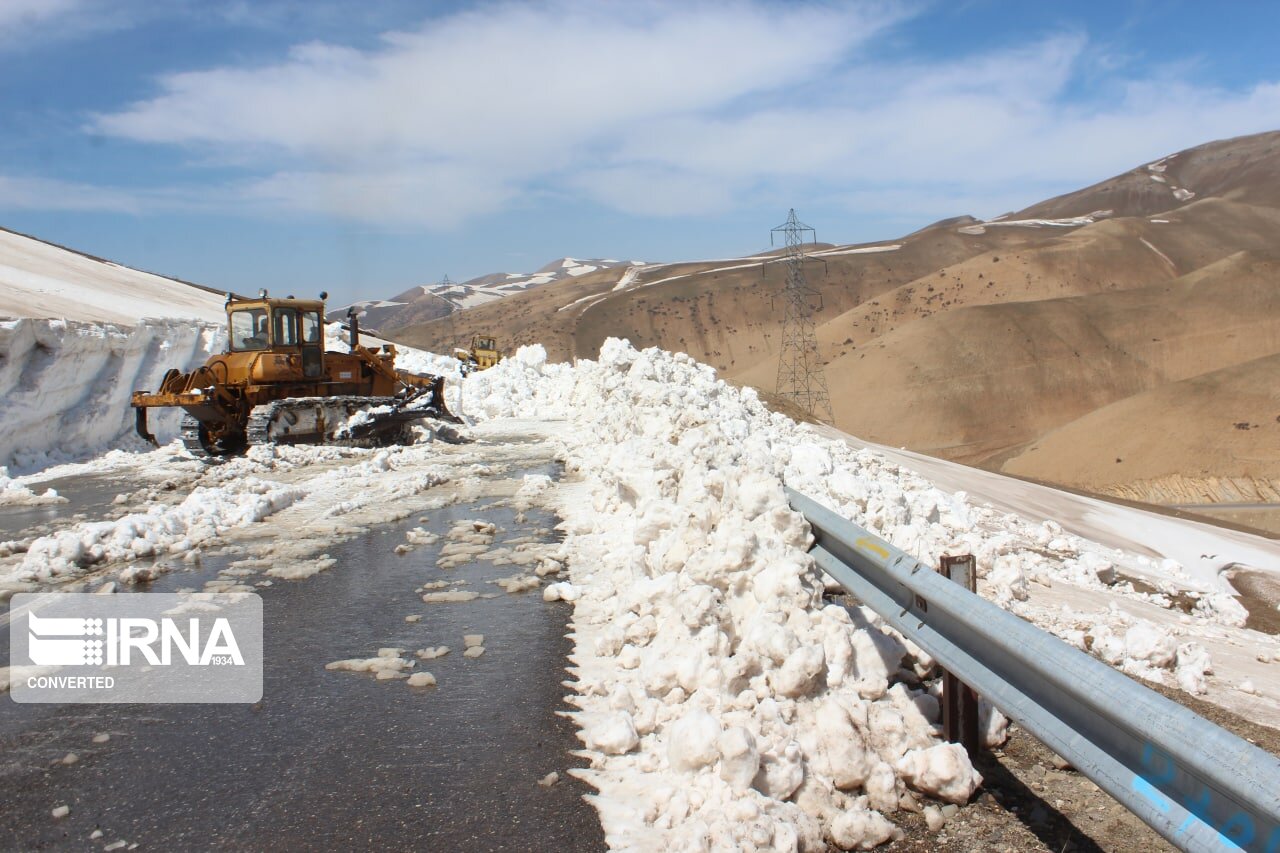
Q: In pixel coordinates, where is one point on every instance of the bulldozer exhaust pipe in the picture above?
(353, 326)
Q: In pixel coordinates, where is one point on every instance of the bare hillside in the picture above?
(980, 340)
(1212, 438)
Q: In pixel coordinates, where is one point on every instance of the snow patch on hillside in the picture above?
(1066, 222)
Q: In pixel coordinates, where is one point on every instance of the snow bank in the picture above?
(13, 493)
(161, 530)
(65, 386)
(721, 702)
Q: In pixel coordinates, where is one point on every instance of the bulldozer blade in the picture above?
(437, 402)
(140, 422)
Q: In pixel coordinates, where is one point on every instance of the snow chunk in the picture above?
(452, 595)
(693, 741)
(613, 734)
(14, 493)
(942, 771)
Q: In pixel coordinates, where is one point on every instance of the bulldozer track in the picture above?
(191, 437)
(258, 429)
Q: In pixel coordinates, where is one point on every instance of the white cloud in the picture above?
(666, 108)
(32, 24)
(20, 20)
(25, 193)
(432, 196)
(505, 96)
(25, 13)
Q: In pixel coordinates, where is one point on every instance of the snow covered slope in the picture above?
(41, 280)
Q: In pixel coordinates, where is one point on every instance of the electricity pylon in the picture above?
(801, 377)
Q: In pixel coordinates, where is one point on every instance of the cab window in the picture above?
(311, 327)
(286, 327)
(249, 329)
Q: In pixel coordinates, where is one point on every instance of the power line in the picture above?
(801, 377)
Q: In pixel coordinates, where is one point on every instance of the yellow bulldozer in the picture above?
(482, 355)
(276, 384)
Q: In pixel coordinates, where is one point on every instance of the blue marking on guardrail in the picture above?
(1153, 796)
(1235, 831)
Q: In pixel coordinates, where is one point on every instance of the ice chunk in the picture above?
(560, 592)
(835, 748)
(943, 772)
(613, 734)
(1192, 665)
(453, 595)
(781, 771)
(1146, 642)
(693, 741)
(422, 679)
(387, 665)
(739, 758)
(860, 829)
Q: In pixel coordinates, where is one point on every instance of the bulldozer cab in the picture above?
(483, 353)
(292, 326)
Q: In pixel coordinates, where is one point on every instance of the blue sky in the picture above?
(366, 147)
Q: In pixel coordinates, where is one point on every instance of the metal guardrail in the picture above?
(1196, 784)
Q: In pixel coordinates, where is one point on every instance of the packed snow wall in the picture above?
(65, 385)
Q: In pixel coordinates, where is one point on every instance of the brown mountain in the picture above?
(1095, 325)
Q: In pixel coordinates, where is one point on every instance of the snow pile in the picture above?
(65, 386)
(707, 661)
(204, 514)
(721, 702)
(13, 493)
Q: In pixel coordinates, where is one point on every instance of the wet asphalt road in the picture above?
(90, 495)
(330, 759)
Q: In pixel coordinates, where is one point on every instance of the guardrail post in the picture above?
(959, 702)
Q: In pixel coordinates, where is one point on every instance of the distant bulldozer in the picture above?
(276, 384)
(482, 355)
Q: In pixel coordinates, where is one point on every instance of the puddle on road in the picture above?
(332, 758)
(89, 494)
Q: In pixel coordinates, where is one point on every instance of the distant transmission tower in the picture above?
(445, 283)
(801, 377)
